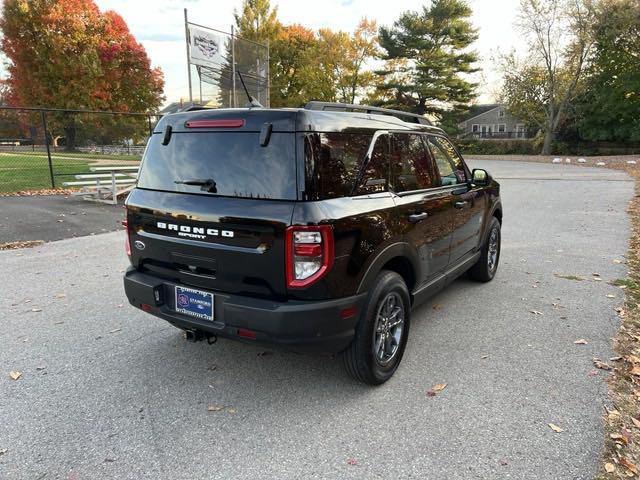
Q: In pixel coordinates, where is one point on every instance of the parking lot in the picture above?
(110, 392)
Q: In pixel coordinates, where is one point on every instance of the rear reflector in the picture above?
(348, 312)
(229, 123)
(127, 243)
(245, 333)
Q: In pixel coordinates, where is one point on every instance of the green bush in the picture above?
(498, 147)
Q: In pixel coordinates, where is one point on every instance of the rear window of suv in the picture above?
(235, 161)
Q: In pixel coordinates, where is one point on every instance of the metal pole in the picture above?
(233, 67)
(186, 34)
(46, 142)
(268, 99)
(150, 128)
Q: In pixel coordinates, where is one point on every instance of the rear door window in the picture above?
(235, 161)
(410, 163)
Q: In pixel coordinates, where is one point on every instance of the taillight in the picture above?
(309, 254)
(127, 243)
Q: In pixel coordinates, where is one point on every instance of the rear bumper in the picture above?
(314, 327)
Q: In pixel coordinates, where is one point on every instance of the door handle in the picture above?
(416, 217)
(461, 204)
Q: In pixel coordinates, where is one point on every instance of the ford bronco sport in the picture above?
(317, 229)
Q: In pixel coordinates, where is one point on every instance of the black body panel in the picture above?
(234, 246)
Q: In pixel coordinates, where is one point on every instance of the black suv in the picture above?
(316, 228)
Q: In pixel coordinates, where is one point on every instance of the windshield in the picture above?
(235, 161)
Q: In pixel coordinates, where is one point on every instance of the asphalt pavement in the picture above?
(108, 392)
(55, 217)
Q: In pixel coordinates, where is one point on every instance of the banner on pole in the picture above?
(206, 47)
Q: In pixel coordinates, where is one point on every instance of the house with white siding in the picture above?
(492, 121)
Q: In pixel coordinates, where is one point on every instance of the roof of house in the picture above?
(477, 110)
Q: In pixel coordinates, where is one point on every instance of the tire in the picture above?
(381, 334)
(487, 265)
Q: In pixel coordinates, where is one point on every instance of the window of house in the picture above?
(500, 113)
(450, 165)
(502, 128)
(475, 127)
(410, 163)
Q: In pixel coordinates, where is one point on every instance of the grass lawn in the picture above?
(86, 155)
(30, 170)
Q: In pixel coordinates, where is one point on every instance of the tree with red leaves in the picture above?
(68, 54)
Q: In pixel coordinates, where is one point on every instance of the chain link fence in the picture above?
(42, 148)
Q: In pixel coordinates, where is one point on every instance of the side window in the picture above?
(410, 163)
(332, 160)
(450, 165)
(375, 177)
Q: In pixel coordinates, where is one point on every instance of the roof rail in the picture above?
(347, 107)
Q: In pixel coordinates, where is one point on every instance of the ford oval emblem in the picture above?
(139, 245)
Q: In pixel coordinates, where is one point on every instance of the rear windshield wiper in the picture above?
(207, 185)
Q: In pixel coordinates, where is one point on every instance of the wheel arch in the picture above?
(399, 258)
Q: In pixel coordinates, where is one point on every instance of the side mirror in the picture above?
(480, 177)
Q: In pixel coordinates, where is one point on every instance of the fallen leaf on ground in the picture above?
(36, 309)
(635, 370)
(617, 261)
(231, 411)
(115, 330)
(215, 408)
(61, 295)
(59, 323)
(555, 428)
(352, 461)
(611, 296)
(618, 438)
(592, 373)
(609, 467)
(503, 462)
(632, 359)
(212, 367)
(16, 245)
(601, 365)
(437, 306)
(628, 465)
(635, 422)
(15, 375)
(536, 312)
(615, 359)
(41, 367)
(120, 305)
(580, 341)
(484, 356)
(3, 451)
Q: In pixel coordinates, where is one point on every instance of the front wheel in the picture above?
(485, 268)
(381, 334)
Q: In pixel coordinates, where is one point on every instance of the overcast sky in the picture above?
(158, 24)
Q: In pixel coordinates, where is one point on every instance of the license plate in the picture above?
(195, 303)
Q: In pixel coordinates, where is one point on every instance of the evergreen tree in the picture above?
(428, 55)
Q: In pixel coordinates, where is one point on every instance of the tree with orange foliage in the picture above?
(67, 54)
